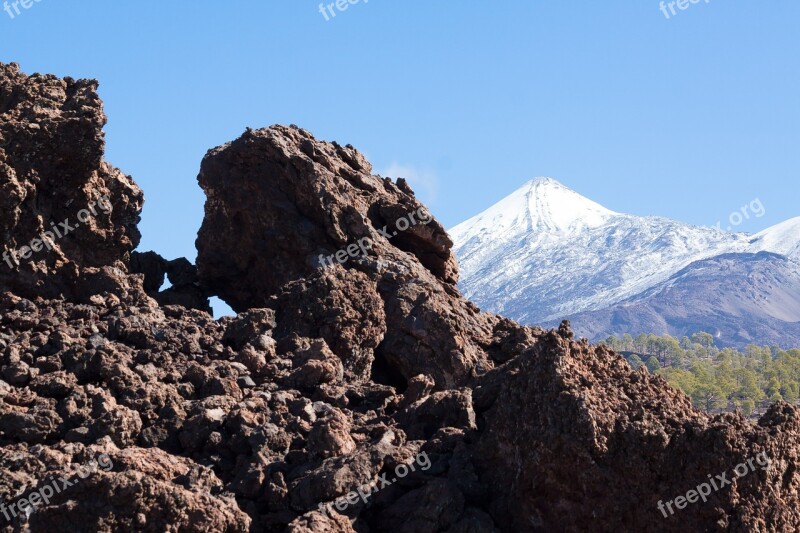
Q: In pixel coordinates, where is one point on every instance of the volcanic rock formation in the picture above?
(333, 374)
(51, 168)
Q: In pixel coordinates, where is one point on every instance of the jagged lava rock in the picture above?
(330, 377)
(278, 199)
(562, 436)
(51, 168)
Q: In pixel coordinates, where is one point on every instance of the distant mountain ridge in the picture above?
(545, 253)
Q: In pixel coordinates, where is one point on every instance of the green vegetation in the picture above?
(716, 379)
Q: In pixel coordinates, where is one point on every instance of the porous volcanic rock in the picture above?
(370, 374)
(277, 199)
(530, 430)
(601, 445)
(51, 169)
(185, 287)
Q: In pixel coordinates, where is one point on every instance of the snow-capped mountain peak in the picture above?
(541, 205)
(553, 206)
(545, 251)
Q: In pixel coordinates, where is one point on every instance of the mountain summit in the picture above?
(545, 253)
(542, 204)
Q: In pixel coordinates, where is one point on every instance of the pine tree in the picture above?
(635, 362)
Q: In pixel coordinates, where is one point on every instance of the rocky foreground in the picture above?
(356, 390)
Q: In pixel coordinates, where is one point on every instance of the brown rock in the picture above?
(52, 172)
(330, 436)
(331, 378)
(278, 199)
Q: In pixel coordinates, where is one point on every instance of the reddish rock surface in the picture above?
(51, 168)
(330, 378)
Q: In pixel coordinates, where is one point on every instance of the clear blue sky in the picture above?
(689, 118)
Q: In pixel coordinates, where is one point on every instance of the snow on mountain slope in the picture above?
(783, 238)
(738, 298)
(545, 251)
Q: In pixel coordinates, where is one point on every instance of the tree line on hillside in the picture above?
(716, 379)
